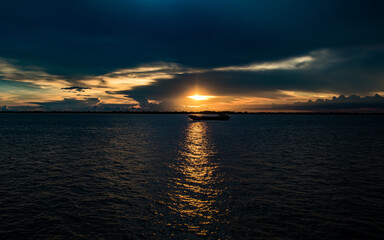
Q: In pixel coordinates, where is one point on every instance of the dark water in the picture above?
(82, 176)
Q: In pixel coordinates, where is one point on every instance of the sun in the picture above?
(200, 97)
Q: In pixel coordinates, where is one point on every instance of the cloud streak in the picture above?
(287, 64)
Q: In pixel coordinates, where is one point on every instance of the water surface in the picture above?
(104, 176)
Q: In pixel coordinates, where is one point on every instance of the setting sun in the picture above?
(200, 97)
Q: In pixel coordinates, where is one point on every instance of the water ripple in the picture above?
(98, 176)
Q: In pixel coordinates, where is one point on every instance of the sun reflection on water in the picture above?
(193, 193)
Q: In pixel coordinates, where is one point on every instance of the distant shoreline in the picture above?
(204, 112)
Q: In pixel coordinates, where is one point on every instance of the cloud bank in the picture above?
(352, 103)
(343, 71)
(68, 104)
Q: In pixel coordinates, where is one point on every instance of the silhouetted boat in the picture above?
(221, 116)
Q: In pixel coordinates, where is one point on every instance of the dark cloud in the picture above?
(92, 37)
(343, 71)
(117, 107)
(25, 108)
(71, 104)
(76, 89)
(352, 103)
(144, 104)
(5, 108)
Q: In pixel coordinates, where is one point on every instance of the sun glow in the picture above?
(200, 97)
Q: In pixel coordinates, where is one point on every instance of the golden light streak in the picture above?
(200, 97)
(193, 190)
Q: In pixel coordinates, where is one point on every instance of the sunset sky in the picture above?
(193, 55)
